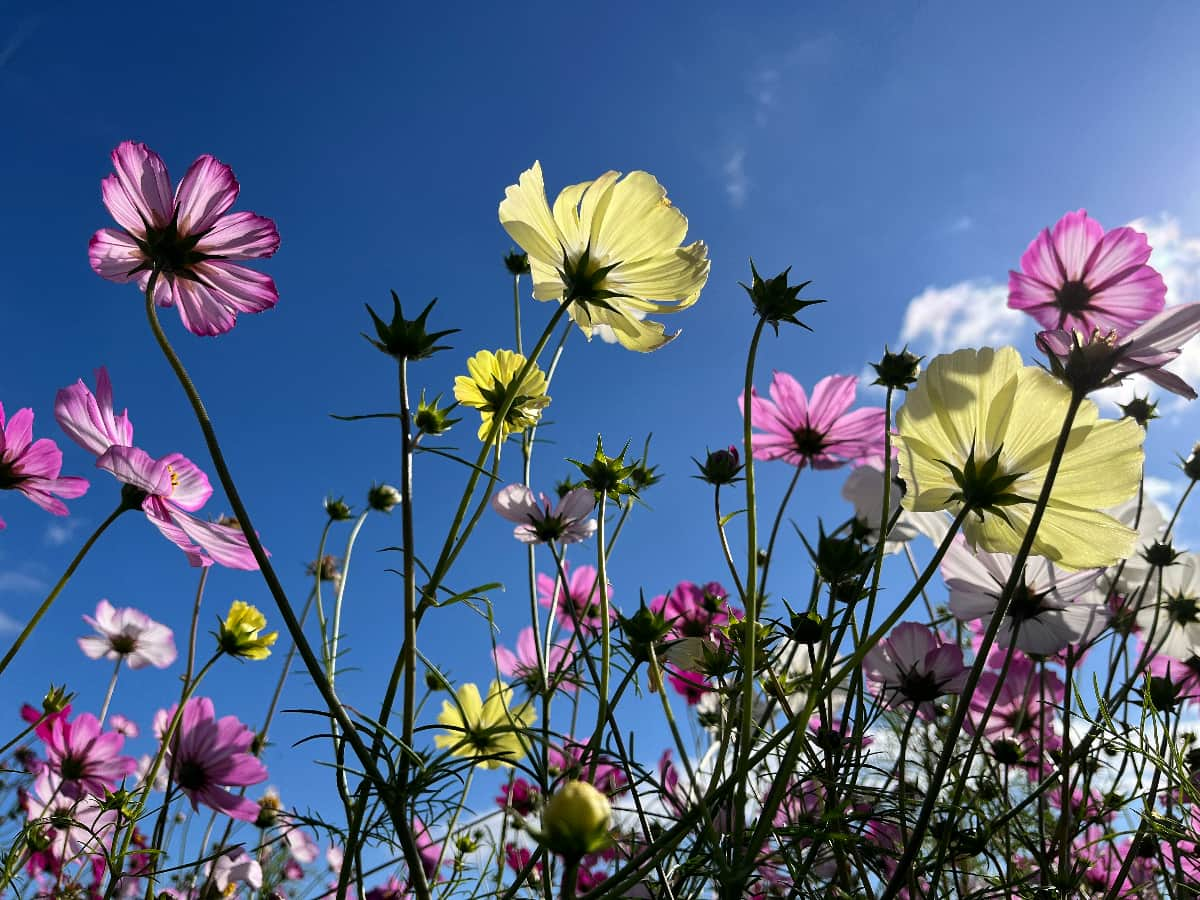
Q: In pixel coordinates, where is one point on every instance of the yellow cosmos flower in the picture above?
(610, 249)
(491, 375)
(485, 729)
(981, 426)
(239, 634)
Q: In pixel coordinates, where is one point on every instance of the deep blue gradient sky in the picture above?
(880, 151)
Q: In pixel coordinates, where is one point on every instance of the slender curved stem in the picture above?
(58, 587)
(365, 757)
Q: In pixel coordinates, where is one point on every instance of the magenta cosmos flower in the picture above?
(522, 666)
(208, 755)
(1101, 360)
(167, 489)
(188, 238)
(816, 431)
(130, 635)
(83, 756)
(1078, 276)
(567, 522)
(912, 665)
(582, 593)
(32, 467)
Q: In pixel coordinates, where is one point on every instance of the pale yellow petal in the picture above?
(675, 275)
(639, 221)
(1072, 537)
(566, 217)
(526, 217)
(1105, 469)
(594, 207)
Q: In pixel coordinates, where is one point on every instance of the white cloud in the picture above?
(961, 225)
(966, 314)
(1177, 257)
(736, 182)
(17, 582)
(58, 533)
(8, 624)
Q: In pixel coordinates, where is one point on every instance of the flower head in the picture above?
(491, 378)
(206, 755)
(577, 820)
(166, 489)
(537, 523)
(1170, 613)
(130, 635)
(523, 665)
(1078, 276)
(1105, 360)
(577, 601)
(240, 633)
(233, 867)
(610, 250)
(816, 431)
(74, 825)
(83, 756)
(912, 665)
(188, 239)
(32, 467)
(1049, 609)
(979, 430)
(488, 729)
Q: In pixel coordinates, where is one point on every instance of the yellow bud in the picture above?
(577, 820)
(239, 634)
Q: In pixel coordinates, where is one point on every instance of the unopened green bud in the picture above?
(383, 498)
(577, 820)
(775, 300)
(516, 262)
(897, 370)
(338, 509)
(406, 338)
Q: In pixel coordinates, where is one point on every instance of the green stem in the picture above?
(112, 686)
(749, 644)
(332, 703)
(960, 713)
(57, 589)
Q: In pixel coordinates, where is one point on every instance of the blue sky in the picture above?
(889, 152)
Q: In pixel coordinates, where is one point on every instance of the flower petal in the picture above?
(240, 235)
(207, 190)
(143, 176)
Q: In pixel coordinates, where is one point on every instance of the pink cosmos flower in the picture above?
(1021, 728)
(1077, 276)
(73, 825)
(82, 756)
(1050, 609)
(207, 755)
(574, 762)
(123, 725)
(301, 847)
(234, 867)
(692, 686)
(187, 238)
(912, 665)
(130, 635)
(523, 665)
(32, 467)
(1105, 360)
(537, 523)
(581, 593)
(521, 797)
(167, 489)
(816, 431)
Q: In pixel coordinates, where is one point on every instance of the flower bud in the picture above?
(775, 300)
(406, 338)
(516, 262)
(719, 466)
(1140, 409)
(430, 418)
(577, 820)
(1191, 465)
(897, 370)
(338, 509)
(1160, 554)
(383, 498)
(56, 700)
